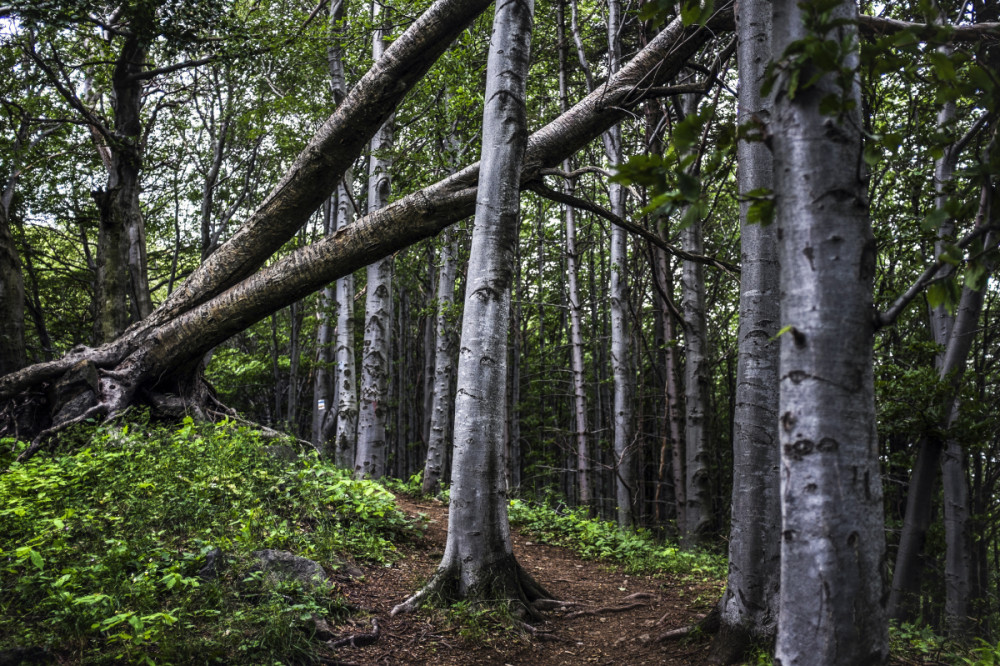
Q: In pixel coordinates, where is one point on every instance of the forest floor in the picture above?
(605, 637)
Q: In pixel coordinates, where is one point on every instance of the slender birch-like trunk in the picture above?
(832, 608)
(441, 402)
(376, 359)
(479, 560)
(749, 606)
(584, 495)
(621, 368)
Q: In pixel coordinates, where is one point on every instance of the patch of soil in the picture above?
(602, 638)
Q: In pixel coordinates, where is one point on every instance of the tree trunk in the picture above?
(833, 538)
(322, 380)
(749, 606)
(12, 351)
(345, 426)
(575, 306)
(479, 560)
(698, 499)
(376, 361)
(121, 244)
(441, 402)
(621, 367)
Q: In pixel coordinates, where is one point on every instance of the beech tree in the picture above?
(479, 561)
(832, 608)
(749, 606)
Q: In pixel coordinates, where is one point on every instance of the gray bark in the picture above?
(478, 560)
(376, 362)
(441, 402)
(345, 424)
(697, 495)
(832, 607)
(749, 606)
(621, 368)
(573, 294)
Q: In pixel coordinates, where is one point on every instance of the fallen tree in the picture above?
(158, 359)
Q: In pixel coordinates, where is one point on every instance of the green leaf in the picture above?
(36, 559)
(934, 220)
(689, 186)
(782, 331)
(761, 212)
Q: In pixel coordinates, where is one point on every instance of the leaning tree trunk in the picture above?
(376, 364)
(146, 363)
(479, 561)
(749, 606)
(832, 607)
(441, 402)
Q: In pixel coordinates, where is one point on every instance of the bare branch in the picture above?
(559, 197)
(875, 26)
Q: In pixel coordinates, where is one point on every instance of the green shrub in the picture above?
(100, 548)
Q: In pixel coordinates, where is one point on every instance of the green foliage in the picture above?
(599, 539)
(102, 546)
(919, 644)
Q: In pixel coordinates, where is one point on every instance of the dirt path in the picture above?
(606, 638)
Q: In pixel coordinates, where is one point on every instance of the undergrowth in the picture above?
(101, 543)
(637, 552)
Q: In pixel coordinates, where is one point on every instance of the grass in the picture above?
(636, 552)
(101, 543)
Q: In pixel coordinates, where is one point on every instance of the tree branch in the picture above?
(889, 317)
(875, 26)
(559, 197)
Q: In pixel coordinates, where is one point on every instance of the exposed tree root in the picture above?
(504, 581)
(555, 604)
(603, 610)
(730, 645)
(542, 635)
(708, 624)
(359, 640)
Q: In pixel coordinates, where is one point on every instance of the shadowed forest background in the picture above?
(141, 141)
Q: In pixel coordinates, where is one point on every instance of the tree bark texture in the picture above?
(13, 355)
(444, 368)
(621, 367)
(749, 606)
(584, 495)
(376, 361)
(478, 560)
(832, 608)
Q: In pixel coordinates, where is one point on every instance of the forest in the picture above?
(702, 288)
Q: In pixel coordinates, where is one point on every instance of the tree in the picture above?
(832, 607)
(375, 360)
(749, 606)
(479, 560)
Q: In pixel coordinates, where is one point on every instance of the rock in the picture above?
(215, 561)
(280, 565)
